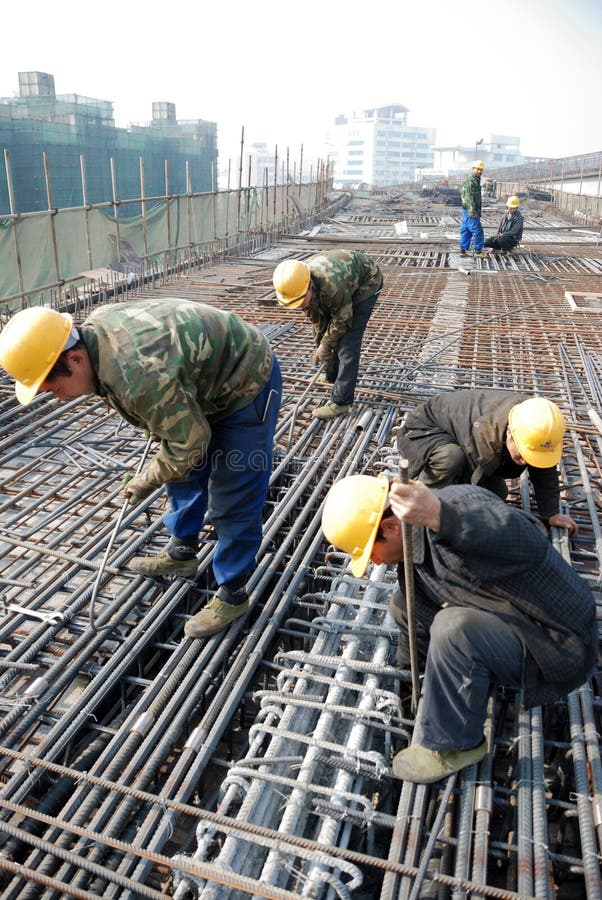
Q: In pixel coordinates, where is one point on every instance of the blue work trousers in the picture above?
(471, 228)
(469, 651)
(231, 485)
(345, 365)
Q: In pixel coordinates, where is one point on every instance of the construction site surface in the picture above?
(136, 762)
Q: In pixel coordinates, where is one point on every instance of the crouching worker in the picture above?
(207, 385)
(485, 436)
(497, 601)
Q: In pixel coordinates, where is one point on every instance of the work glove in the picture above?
(135, 489)
(324, 356)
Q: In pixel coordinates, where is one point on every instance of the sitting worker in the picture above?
(201, 380)
(510, 229)
(485, 436)
(338, 290)
(497, 602)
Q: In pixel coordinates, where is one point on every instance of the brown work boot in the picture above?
(423, 766)
(215, 616)
(331, 410)
(479, 254)
(163, 564)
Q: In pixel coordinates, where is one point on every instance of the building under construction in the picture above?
(91, 160)
(137, 762)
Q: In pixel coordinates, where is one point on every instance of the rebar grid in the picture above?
(284, 726)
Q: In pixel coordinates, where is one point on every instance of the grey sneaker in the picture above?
(423, 766)
(214, 617)
(331, 410)
(163, 564)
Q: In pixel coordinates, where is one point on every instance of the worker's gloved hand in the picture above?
(323, 356)
(150, 437)
(135, 489)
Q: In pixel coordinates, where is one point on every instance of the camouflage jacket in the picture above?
(471, 194)
(173, 367)
(340, 278)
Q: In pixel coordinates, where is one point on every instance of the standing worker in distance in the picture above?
(485, 436)
(510, 229)
(338, 290)
(494, 603)
(471, 227)
(201, 380)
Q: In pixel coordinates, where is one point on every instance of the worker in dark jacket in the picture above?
(484, 437)
(494, 602)
(338, 290)
(510, 229)
(471, 228)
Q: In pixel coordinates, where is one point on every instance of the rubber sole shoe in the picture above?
(163, 564)
(330, 410)
(423, 766)
(463, 253)
(214, 617)
(479, 254)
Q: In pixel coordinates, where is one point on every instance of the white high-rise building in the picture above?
(379, 148)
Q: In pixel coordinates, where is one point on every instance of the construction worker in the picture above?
(510, 229)
(201, 380)
(485, 436)
(337, 289)
(471, 227)
(493, 600)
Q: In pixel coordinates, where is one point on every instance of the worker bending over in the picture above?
(204, 383)
(494, 603)
(485, 436)
(338, 290)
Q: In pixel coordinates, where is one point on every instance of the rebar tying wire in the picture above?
(114, 533)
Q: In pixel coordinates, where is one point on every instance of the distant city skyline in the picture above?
(528, 69)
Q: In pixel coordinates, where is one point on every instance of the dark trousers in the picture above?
(231, 484)
(501, 242)
(469, 651)
(345, 365)
(447, 464)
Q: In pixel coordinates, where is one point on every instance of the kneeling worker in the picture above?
(500, 603)
(485, 436)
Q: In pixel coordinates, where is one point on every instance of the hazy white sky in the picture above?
(469, 68)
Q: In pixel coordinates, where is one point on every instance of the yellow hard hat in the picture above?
(351, 516)
(30, 344)
(513, 202)
(291, 280)
(537, 427)
(479, 164)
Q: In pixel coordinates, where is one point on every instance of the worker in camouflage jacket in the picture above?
(338, 290)
(207, 386)
(471, 228)
(484, 437)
